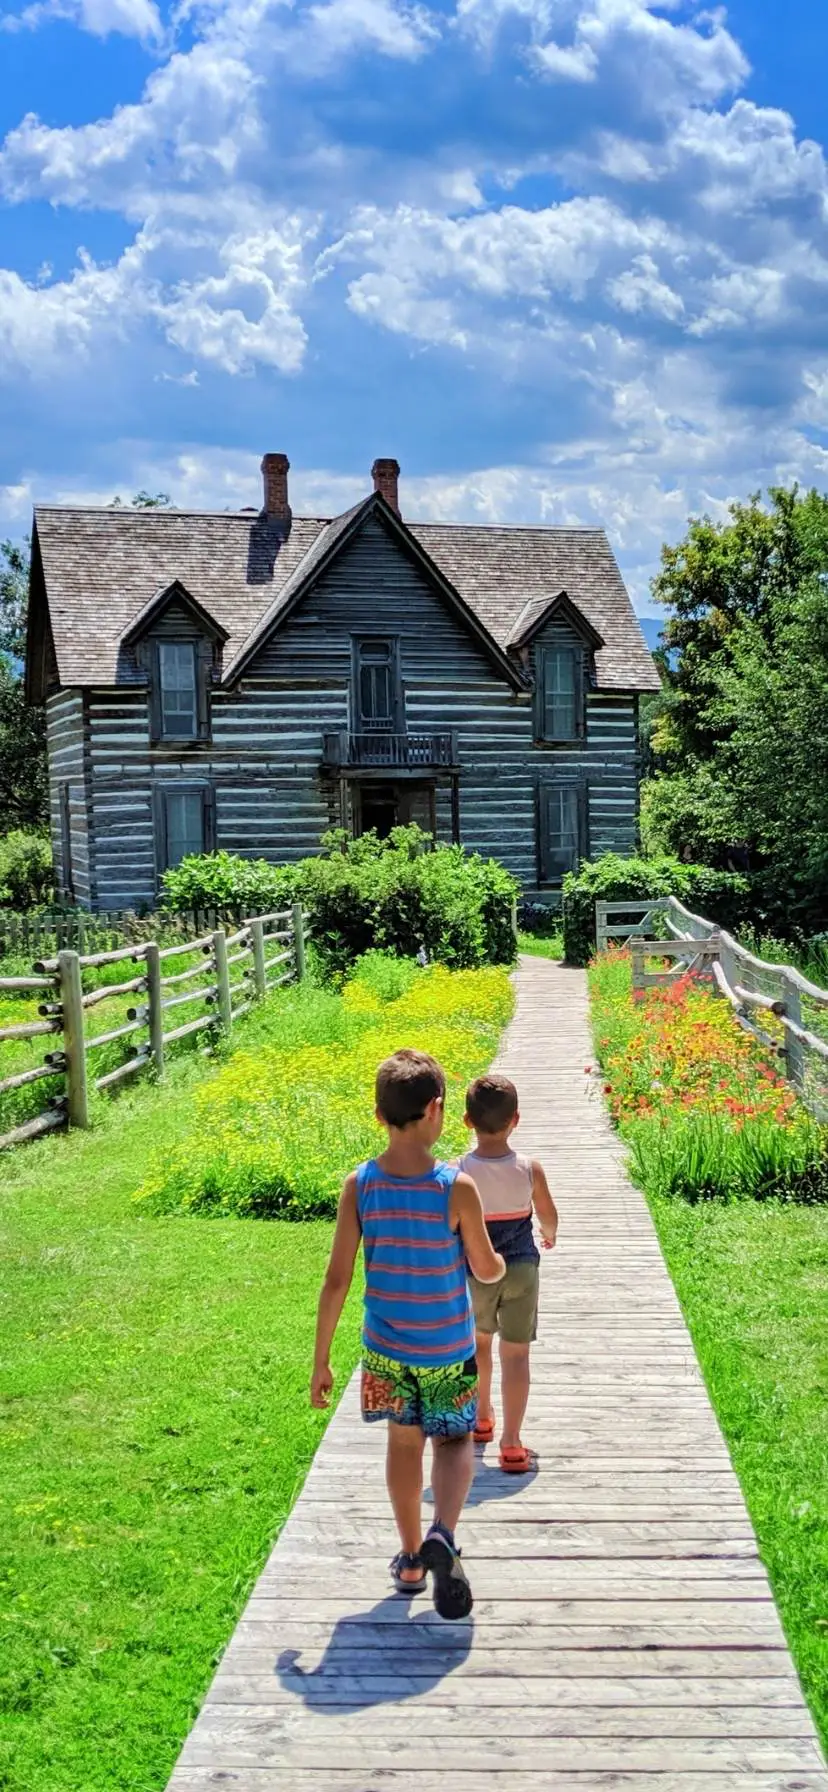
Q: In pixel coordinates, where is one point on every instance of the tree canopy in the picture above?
(739, 740)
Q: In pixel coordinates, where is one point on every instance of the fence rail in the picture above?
(752, 986)
(67, 1006)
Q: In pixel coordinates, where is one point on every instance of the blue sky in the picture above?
(567, 259)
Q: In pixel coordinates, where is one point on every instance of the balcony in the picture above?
(401, 754)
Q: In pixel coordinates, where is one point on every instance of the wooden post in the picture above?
(637, 949)
(299, 941)
(154, 995)
(794, 1048)
(455, 810)
(225, 1002)
(257, 943)
(600, 927)
(513, 916)
(71, 993)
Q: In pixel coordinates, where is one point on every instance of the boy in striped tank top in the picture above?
(418, 1222)
(512, 1188)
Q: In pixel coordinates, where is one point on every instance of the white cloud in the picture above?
(130, 18)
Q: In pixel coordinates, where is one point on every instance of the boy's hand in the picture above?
(321, 1386)
(549, 1240)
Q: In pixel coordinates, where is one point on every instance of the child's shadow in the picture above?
(416, 1653)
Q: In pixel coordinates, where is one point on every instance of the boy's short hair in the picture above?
(491, 1102)
(406, 1085)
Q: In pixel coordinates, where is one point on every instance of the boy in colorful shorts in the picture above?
(512, 1188)
(419, 1221)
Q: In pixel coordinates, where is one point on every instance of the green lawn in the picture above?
(154, 1429)
(540, 947)
(753, 1282)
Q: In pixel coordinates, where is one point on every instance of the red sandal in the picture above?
(484, 1431)
(517, 1460)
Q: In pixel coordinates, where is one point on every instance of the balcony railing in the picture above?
(390, 752)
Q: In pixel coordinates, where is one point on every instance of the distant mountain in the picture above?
(651, 627)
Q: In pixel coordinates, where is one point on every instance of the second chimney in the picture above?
(275, 468)
(385, 474)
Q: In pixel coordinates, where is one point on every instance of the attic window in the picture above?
(560, 694)
(177, 672)
(179, 687)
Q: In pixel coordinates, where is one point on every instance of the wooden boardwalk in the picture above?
(624, 1634)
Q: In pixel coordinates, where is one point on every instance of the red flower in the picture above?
(608, 1088)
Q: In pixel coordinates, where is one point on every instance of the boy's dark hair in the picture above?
(406, 1084)
(491, 1102)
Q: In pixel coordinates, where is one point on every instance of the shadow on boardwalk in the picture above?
(440, 1649)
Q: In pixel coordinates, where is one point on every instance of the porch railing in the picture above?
(401, 752)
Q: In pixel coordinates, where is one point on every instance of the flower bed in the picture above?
(276, 1130)
(704, 1111)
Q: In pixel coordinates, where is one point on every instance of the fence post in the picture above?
(154, 997)
(257, 944)
(225, 1003)
(71, 996)
(794, 1048)
(637, 949)
(299, 941)
(513, 918)
(600, 927)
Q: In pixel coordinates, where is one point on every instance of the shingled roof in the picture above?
(102, 566)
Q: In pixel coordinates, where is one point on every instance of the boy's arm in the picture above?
(485, 1263)
(338, 1278)
(544, 1206)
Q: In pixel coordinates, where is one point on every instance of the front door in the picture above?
(561, 828)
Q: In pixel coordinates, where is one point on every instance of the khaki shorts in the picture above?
(509, 1307)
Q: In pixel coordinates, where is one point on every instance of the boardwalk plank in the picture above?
(624, 1637)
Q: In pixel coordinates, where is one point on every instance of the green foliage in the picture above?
(24, 778)
(717, 895)
(14, 589)
(277, 1129)
(399, 895)
(226, 882)
(25, 870)
(739, 746)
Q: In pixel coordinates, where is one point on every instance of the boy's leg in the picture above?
(483, 1345)
(514, 1381)
(451, 1478)
(404, 1479)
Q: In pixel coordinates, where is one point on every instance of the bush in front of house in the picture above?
(26, 873)
(721, 896)
(403, 895)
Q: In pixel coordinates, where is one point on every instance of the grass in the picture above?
(753, 1281)
(539, 946)
(154, 1421)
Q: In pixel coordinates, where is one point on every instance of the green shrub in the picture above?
(400, 895)
(26, 874)
(722, 896)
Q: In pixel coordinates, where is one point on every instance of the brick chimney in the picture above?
(385, 474)
(275, 469)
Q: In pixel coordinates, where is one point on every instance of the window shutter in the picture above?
(204, 667)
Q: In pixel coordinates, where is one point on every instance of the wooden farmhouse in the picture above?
(248, 680)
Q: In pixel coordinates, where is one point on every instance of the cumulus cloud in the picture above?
(296, 170)
(130, 18)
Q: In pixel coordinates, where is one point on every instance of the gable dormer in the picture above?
(556, 647)
(175, 647)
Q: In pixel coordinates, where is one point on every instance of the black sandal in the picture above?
(407, 1586)
(452, 1593)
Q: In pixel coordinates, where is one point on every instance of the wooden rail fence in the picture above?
(234, 971)
(758, 991)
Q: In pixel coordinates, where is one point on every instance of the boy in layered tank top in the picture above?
(512, 1189)
(419, 1223)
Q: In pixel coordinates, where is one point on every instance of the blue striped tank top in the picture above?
(417, 1303)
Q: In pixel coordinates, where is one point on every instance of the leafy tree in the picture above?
(145, 501)
(14, 592)
(739, 743)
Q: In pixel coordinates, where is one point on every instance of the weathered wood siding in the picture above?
(65, 735)
(264, 760)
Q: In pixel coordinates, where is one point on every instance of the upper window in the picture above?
(179, 690)
(377, 690)
(560, 693)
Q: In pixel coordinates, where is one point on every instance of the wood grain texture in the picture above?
(624, 1633)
